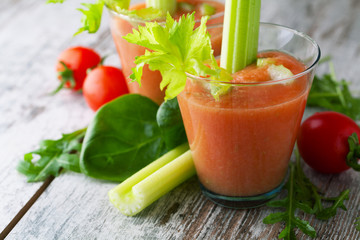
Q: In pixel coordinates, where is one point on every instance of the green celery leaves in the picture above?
(53, 155)
(176, 49)
(91, 18)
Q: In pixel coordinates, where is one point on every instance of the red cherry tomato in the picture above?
(72, 66)
(103, 84)
(323, 141)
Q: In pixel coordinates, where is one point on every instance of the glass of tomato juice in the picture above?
(121, 25)
(242, 142)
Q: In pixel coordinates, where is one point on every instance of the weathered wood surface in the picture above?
(74, 206)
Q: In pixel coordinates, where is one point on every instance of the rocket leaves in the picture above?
(303, 195)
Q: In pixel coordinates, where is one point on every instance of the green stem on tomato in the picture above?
(153, 181)
(240, 34)
(163, 5)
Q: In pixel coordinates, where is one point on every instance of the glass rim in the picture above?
(161, 21)
(283, 80)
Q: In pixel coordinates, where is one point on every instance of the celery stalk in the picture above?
(164, 5)
(240, 34)
(153, 181)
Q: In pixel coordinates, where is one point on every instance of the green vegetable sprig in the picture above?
(357, 224)
(303, 195)
(54, 155)
(92, 13)
(177, 49)
(124, 136)
(352, 158)
(333, 94)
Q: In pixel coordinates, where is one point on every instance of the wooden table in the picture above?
(74, 206)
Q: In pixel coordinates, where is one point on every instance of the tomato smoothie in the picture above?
(122, 25)
(242, 142)
(254, 126)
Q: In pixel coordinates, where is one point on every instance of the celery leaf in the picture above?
(175, 49)
(91, 18)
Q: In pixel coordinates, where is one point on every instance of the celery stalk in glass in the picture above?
(164, 5)
(240, 34)
(153, 181)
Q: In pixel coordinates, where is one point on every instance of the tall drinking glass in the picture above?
(242, 143)
(121, 25)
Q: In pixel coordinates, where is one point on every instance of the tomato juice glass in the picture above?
(121, 25)
(242, 142)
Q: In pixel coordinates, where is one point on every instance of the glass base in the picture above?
(242, 202)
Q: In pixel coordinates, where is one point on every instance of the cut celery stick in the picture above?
(153, 181)
(240, 34)
(163, 5)
(278, 72)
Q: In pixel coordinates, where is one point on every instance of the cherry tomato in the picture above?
(323, 141)
(72, 65)
(103, 84)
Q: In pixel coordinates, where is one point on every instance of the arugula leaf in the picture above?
(91, 18)
(290, 203)
(303, 195)
(176, 49)
(171, 124)
(352, 158)
(53, 156)
(357, 224)
(330, 93)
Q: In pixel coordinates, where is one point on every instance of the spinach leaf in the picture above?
(171, 124)
(122, 139)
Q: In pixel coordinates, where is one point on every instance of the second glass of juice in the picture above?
(121, 25)
(242, 142)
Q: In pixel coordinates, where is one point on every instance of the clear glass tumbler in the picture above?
(121, 25)
(242, 143)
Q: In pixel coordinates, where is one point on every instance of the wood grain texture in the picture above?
(77, 207)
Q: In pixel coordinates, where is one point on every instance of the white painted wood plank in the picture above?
(32, 34)
(77, 207)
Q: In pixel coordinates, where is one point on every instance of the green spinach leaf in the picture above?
(122, 139)
(171, 124)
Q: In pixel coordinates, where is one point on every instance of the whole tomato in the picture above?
(72, 65)
(323, 141)
(103, 84)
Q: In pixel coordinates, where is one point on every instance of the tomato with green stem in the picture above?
(328, 142)
(103, 84)
(72, 66)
